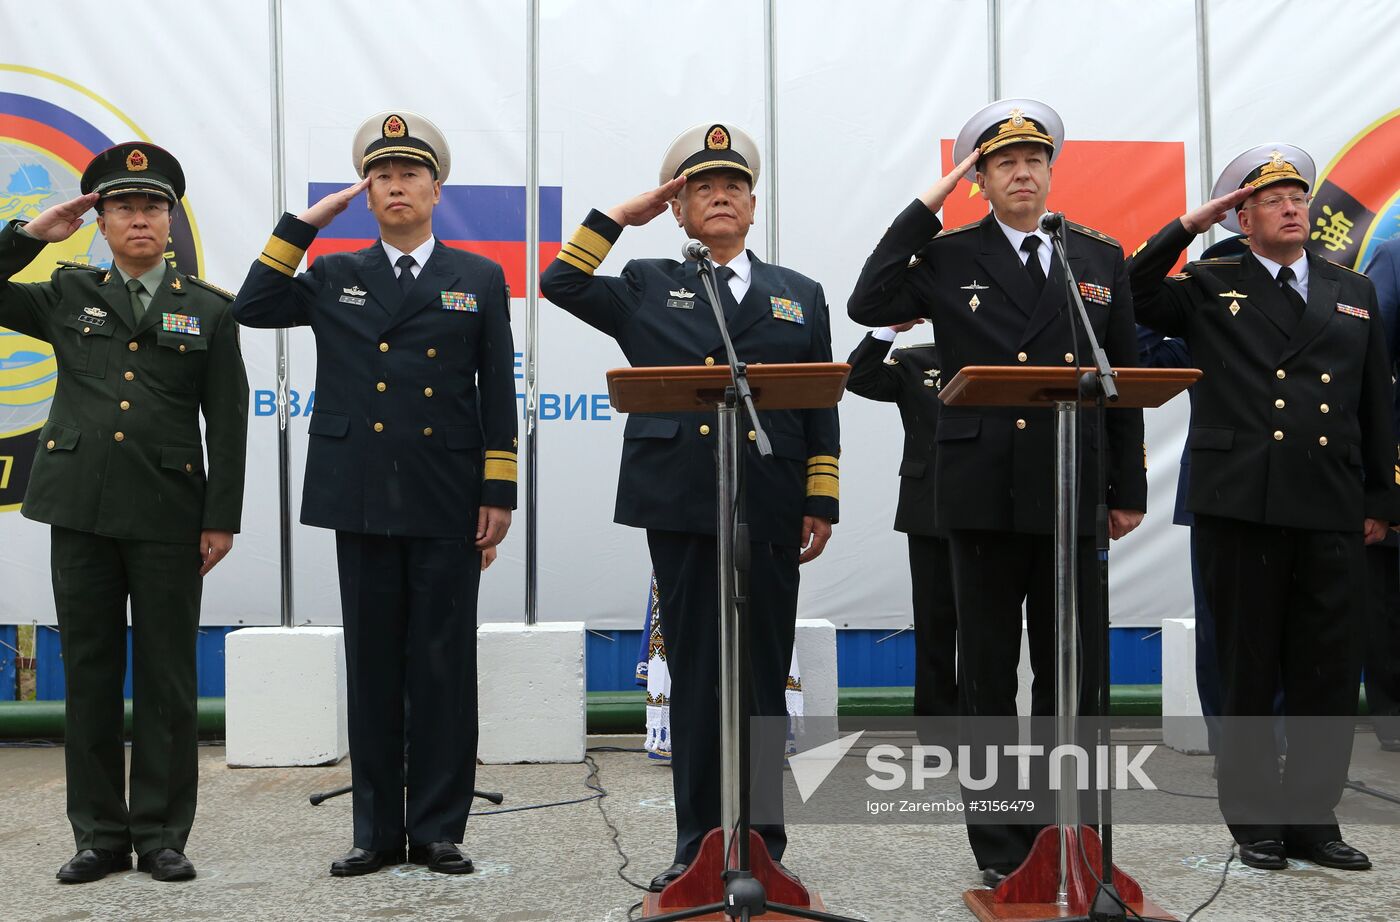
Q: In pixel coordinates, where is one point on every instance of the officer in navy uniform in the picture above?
(142, 350)
(911, 378)
(412, 462)
(1383, 559)
(658, 313)
(997, 298)
(1292, 453)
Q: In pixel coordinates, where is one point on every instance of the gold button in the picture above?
(1322, 440)
(709, 360)
(189, 468)
(383, 347)
(120, 437)
(1280, 374)
(87, 329)
(704, 430)
(51, 444)
(753, 436)
(133, 346)
(1021, 356)
(432, 353)
(378, 427)
(1326, 378)
(125, 404)
(1069, 358)
(182, 347)
(130, 376)
(381, 386)
(1324, 408)
(1278, 404)
(1278, 435)
(427, 392)
(428, 430)
(1020, 424)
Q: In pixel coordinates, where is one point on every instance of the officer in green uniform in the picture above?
(136, 512)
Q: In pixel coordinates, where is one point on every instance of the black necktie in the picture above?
(1031, 247)
(726, 294)
(405, 264)
(1290, 294)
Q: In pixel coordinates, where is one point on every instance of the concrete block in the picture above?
(531, 692)
(816, 657)
(285, 696)
(1183, 727)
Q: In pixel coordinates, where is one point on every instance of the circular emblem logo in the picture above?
(1356, 203)
(394, 127)
(50, 128)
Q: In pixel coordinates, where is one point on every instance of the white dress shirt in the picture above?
(420, 255)
(743, 273)
(1042, 251)
(1299, 282)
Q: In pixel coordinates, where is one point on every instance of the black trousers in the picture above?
(1382, 638)
(687, 578)
(409, 607)
(93, 577)
(935, 627)
(993, 574)
(1288, 605)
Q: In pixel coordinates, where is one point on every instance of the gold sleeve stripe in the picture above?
(816, 460)
(494, 455)
(499, 469)
(274, 264)
(581, 255)
(824, 485)
(283, 252)
(591, 242)
(566, 256)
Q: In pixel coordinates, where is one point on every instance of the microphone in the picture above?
(1052, 221)
(694, 250)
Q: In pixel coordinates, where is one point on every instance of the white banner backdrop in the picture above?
(868, 95)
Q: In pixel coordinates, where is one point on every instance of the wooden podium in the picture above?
(700, 893)
(1056, 881)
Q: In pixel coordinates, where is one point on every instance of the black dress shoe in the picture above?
(1266, 855)
(359, 861)
(659, 882)
(991, 877)
(166, 864)
(442, 857)
(1390, 745)
(1335, 854)
(93, 864)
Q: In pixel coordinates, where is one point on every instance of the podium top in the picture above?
(1033, 385)
(693, 388)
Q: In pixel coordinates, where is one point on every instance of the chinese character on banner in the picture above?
(1335, 229)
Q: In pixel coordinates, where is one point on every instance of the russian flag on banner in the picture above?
(489, 220)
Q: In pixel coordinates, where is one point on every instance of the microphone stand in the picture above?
(744, 894)
(1107, 905)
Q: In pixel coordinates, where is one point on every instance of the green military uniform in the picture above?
(120, 474)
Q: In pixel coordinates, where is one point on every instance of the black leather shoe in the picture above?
(443, 857)
(1335, 854)
(991, 877)
(659, 882)
(359, 861)
(1390, 745)
(166, 864)
(1266, 855)
(93, 864)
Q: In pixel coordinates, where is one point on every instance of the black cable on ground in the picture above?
(1218, 887)
(594, 782)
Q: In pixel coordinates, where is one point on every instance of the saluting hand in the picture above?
(59, 222)
(1214, 211)
(940, 190)
(323, 212)
(906, 326)
(213, 547)
(640, 209)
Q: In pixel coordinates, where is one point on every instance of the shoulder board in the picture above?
(1090, 232)
(948, 232)
(1218, 261)
(1347, 269)
(913, 346)
(70, 264)
(212, 287)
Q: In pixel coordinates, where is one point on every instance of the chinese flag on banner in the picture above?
(1126, 189)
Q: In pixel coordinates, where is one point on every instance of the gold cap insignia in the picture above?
(717, 139)
(394, 127)
(136, 161)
